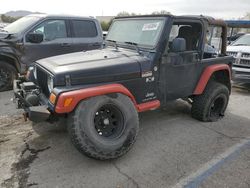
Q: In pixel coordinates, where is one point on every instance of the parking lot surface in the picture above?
(172, 150)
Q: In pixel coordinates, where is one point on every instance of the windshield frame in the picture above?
(25, 27)
(148, 47)
(246, 35)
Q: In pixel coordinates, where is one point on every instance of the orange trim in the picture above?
(81, 94)
(151, 105)
(52, 98)
(207, 74)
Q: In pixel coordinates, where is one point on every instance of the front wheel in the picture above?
(104, 127)
(211, 105)
(7, 74)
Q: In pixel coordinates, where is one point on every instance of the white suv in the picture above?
(240, 49)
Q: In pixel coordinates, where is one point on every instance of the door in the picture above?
(55, 41)
(85, 35)
(180, 67)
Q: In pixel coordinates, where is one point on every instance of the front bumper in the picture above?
(36, 113)
(241, 74)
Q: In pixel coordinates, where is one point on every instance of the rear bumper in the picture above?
(36, 113)
(241, 74)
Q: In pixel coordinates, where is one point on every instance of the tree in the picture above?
(124, 13)
(8, 19)
(161, 12)
(105, 25)
(247, 16)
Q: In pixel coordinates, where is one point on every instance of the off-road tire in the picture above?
(211, 105)
(85, 136)
(7, 75)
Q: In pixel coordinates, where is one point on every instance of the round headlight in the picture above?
(50, 83)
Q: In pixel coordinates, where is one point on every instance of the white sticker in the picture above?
(150, 26)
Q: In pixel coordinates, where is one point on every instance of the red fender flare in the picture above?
(81, 94)
(207, 73)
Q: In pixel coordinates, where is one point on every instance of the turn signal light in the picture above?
(52, 98)
(67, 102)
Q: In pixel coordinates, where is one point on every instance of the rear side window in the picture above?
(84, 28)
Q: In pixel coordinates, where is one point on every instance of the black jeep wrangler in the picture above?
(147, 61)
(39, 36)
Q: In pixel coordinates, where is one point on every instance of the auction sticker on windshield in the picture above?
(150, 26)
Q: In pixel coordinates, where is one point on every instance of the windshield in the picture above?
(137, 31)
(242, 41)
(21, 24)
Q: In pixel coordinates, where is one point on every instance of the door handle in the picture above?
(65, 44)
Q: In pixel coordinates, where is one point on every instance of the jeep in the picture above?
(147, 62)
(39, 36)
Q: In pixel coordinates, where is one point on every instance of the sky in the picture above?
(217, 8)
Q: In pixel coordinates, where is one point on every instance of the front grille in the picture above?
(246, 55)
(245, 62)
(234, 54)
(42, 78)
(240, 58)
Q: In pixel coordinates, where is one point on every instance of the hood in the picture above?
(103, 65)
(245, 49)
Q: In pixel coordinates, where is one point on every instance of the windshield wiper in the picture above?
(135, 45)
(114, 43)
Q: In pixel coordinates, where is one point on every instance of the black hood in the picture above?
(104, 65)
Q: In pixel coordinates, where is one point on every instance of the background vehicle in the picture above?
(233, 38)
(240, 50)
(38, 36)
(148, 61)
(237, 28)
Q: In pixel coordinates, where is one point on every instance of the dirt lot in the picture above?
(172, 150)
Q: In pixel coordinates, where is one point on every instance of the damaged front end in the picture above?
(28, 95)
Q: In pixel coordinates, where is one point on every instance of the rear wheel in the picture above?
(104, 127)
(7, 74)
(211, 105)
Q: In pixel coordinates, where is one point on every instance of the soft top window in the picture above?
(191, 32)
(143, 32)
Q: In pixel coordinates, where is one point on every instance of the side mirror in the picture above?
(178, 45)
(34, 37)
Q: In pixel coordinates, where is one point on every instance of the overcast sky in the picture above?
(216, 8)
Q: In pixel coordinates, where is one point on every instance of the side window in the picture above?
(84, 28)
(51, 29)
(213, 42)
(191, 32)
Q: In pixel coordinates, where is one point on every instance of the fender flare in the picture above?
(206, 75)
(78, 95)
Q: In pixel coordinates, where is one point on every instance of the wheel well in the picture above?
(11, 61)
(223, 77)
